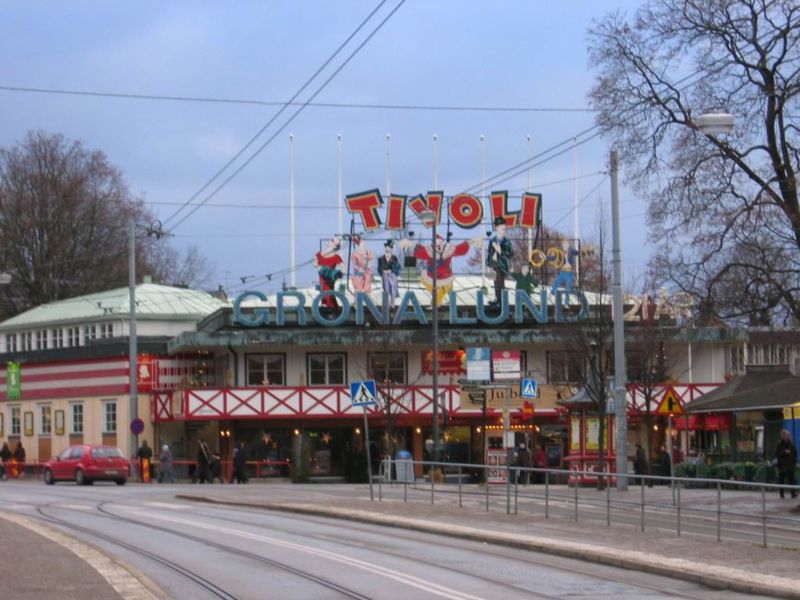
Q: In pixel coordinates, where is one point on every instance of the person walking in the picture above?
(215, 468)
(18, 461)
(239, 464)
(524, 462)
(5, 456)
(639, 463)
(203, 460)
(145, 456)
(786, 458)
(165, 468)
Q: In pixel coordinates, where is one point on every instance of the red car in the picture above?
(86, 464)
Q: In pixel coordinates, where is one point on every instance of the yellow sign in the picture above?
(670, 404)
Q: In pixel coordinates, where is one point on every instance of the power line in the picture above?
(295, 115)
(274, 117)
(340, 105)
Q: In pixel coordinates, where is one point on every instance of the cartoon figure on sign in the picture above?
(446, 251)
(328, 264)
(389, 269)
(499, 256)
(525, 279)
(360, 262)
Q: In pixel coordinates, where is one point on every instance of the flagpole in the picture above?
(293, 257)
(340, 197)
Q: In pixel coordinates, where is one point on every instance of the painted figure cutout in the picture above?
(499, 257)
(328, 264)
(389, 269)
(525, 279)
(565, 278)
(360, 261)
(445, 253)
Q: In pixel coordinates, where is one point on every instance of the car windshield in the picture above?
(107, 453)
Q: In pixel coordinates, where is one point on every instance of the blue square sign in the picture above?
(529, 388)
(363, 393)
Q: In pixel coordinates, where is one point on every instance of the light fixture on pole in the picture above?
(714, 123)
(429, 216)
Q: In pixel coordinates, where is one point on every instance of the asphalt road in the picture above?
(198, 551)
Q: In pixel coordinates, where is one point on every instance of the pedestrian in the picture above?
(639, 463)
(18, 461)
(215, 468)
(239, 464)
(5, 456)
(165, 469)
(786, 459)
(524, 462)
(664, 464)
(203, 459)
(145, 456)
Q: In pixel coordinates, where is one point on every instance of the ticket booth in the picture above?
(583, 439)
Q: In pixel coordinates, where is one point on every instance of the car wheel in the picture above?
(48, 477)
(80, 477)
(120, 482)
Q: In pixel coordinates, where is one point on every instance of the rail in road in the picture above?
(725, 510)
(234, 552)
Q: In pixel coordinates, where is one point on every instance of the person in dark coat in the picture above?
(524, 461)
(166, 472)
(203, 459)
(145, 456)
(786, 458)
(5, 456)
(215, 468)
(239, 464)
(639, 463)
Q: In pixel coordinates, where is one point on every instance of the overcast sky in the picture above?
(430, 52)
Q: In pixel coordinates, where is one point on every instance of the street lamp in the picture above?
(714, 123)
(429, 216)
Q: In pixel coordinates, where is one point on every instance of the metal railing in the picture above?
(738, 508)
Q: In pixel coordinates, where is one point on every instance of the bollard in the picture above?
(764, 516)
(642, 485)
(459, 487)
(547, 494)
(679, 511)
(719, 512)
(576, 501)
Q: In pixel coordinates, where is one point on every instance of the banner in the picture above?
(13, 384)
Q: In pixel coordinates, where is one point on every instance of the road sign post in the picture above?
(363, 394)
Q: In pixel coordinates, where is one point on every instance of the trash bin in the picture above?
(404, 467)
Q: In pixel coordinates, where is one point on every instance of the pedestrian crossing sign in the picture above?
(670, 404)
(528, 388)
(362, 393)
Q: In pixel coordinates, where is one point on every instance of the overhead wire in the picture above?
(299, 110)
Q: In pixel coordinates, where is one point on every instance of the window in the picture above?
(387, 366)
(27, 340)
(45, 419)
(16, 425)
(89, 333)
(109, 416)
(73, 337)
(736, 359)
(76, 418)
(266, 369)
(561, 369)
(106, 330)
(58, 338)
(326, 369)
(41, 339)
(11, 342)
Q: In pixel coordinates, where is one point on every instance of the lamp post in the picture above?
(429, 216)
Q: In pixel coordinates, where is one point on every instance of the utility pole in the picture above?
(435, 342)
(620, 396)
(132, 342)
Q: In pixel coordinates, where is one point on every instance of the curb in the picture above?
(714, 576)
(128, 581)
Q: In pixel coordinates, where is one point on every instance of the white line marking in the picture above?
(410, 580)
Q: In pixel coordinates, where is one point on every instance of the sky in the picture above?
(453, 53)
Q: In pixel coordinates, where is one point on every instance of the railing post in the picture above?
(509, 474)
(608, 499)
(641, 480)
(764, 516)
(576, 501)
(679, 511)
(547, 494)
(405, 489)
(719, 511)
(459, 487)
(486, 471)
(516, 493)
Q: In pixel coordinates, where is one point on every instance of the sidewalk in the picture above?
(64, 568)
(740, 566)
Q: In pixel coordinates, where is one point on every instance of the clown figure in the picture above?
(445, 253)
(360, 262)
(328, 264)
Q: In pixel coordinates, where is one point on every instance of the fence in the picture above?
(721, 509)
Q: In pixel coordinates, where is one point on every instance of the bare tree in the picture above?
(64, 214)
(725, 208)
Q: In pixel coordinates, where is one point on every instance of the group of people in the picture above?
(525, 460)
(11, 462)
(209, 464)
